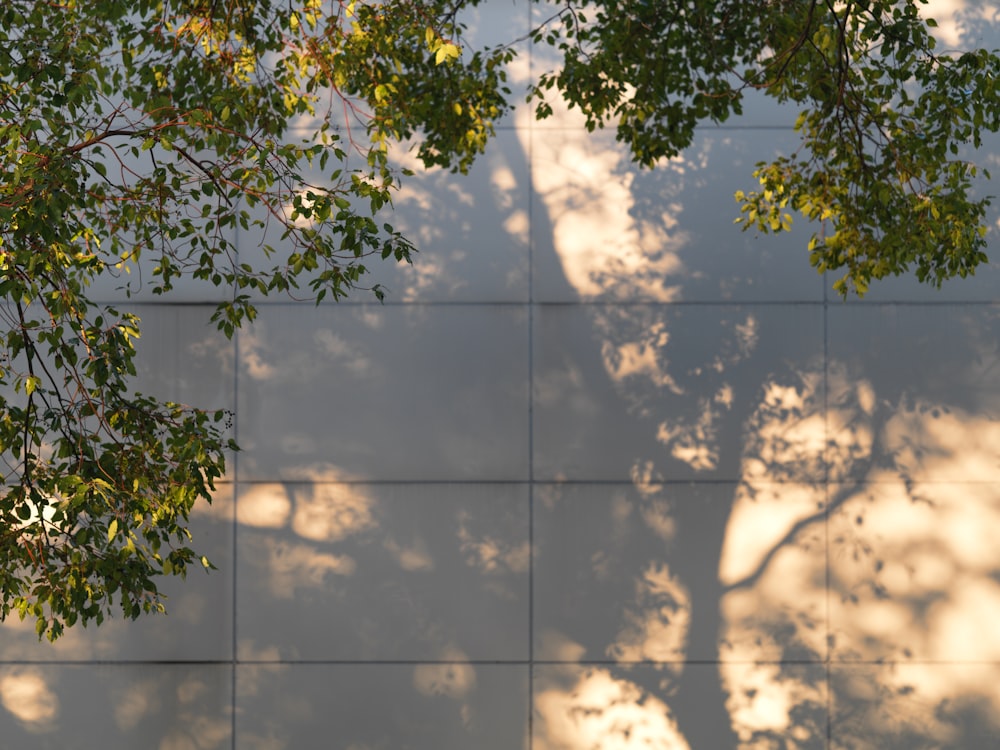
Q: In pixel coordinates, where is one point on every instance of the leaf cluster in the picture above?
(887, 121)
(135, 137)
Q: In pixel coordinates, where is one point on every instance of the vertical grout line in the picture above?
(529, 153)
(826, 514)
(236, 476)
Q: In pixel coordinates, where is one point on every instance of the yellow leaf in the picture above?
(446, 52)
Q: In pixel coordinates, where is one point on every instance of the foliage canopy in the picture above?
(144, 130)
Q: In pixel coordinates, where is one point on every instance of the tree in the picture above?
(141, 131)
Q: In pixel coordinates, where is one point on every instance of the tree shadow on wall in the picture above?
(702, 457)
(744, 606)
(647, 397)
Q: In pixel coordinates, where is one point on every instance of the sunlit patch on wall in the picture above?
(25, 693)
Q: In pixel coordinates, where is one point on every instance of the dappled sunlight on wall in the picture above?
(376, 706)
(454, 680)
(785, 435)
(604, 577)
(643, 394)
(371, 569)
(667, 392)
(487, 209)
(915, 572)
(655, 627)
(315, 513)
(773, 637)
(776, 705)
(318, 506)
(899, 568)
(844, 532)
(915, 706)
(963, 24)
(577, 706)
(25, 693)
(161, 707)
(589, 205)
(662, 235)
(331, 381)
(769, 519)
(851, 422)
(488, 550)
(934, 441)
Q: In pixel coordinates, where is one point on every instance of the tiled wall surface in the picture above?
(603, 473)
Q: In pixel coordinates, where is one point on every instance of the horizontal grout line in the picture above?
(706, 128)
(832, 303)
(548, 125)
(498, 662)
(500, 484)
(848, 482)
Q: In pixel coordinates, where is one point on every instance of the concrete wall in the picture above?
(603, 473)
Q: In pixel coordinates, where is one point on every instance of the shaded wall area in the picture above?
(603, 473)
